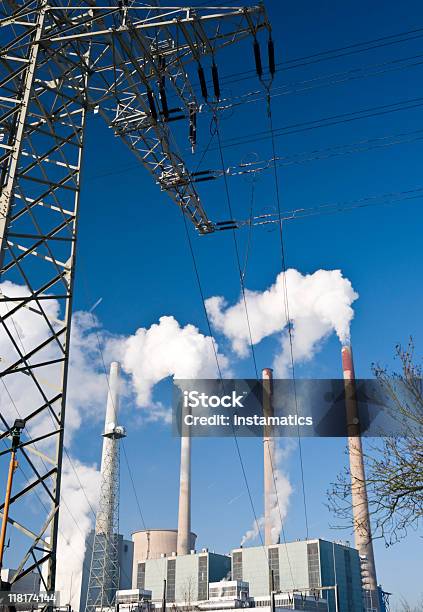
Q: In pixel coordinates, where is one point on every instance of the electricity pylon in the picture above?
(134, 66)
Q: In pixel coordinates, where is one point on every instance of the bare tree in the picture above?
(394, 466)
(188, 594)
(404, 606)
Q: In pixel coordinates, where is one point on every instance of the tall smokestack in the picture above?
(360, 504)
(184, 512)
(109, 454)
(103, 579)
(268, 456)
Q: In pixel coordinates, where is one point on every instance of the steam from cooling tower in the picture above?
(319, 304)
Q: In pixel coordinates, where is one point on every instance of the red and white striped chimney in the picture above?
(360, 504)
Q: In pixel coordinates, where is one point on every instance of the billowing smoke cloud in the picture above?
(76, 520)
(279, 499)
(319, 304)
(168, 349)
(87, 390)
(87, 387)
(150, 355)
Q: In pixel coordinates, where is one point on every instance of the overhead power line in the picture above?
(213, 341)
(331, 54)
(383, 199)
(322, 81)
(286, 305)
(251, 167)
(330, 121)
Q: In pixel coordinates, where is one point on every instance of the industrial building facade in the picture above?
(303, 566)
(154, 544)
(187, 576)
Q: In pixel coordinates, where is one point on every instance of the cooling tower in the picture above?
(153, 543)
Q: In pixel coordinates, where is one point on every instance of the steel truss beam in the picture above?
(59, 61)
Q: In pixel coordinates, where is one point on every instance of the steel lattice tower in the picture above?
(133, 66)
(104, 571)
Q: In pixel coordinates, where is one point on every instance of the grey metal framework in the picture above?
(104, 570)
(133, 65)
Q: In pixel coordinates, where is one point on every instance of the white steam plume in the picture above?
(87, 388)
(167, 349)
(87, 391)
(76, 520)
(319, 304)
(280, 497)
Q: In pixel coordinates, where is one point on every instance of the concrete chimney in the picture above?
(184, 512)
(268, 456)
(361, 517)
(109, 455)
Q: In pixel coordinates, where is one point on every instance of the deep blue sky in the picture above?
(133, 253)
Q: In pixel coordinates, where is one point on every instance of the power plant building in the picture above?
(303, 566)
(187, 576)
(154, 544)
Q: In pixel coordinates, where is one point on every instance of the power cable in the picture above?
(241, 278)
(306, 126)
(250, 232)
(134, 489)
(360, 146)
(244, 473)
(372, 70)
(330, 209)
(330, 54)
(201, 292)
(286, 305)
(199, 284)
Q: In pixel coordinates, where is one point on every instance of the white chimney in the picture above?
(268, 456)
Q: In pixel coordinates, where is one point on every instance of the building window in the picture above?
(171, 580)
(202, 578)
(348, 579)
(274, 580)
(237, 566)
(141, 576)
(313, 565)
